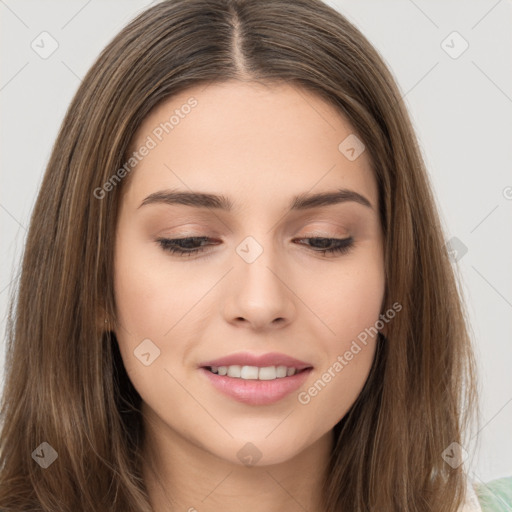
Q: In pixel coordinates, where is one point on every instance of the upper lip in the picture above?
(247, 359)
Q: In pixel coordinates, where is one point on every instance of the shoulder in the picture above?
(496, 495)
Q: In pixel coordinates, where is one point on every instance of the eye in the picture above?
(183, 246)
(331, 245)
(196, 244)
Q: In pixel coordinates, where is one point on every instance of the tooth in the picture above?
(254, 372)
(267, 373)
(249, 372)
(234, 370)
(281, 371)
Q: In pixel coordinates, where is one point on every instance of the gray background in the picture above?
(461, 108)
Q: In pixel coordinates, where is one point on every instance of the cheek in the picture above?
(150, 297)
(348, 355)
(360, 296)
(348, 297)
(152, 294)
(156, 300)
(352, 308)
(137, 293)
(336, 386)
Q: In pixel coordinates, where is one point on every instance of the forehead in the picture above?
(253, 142)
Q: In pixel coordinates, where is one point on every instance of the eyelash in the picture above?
(343, 245)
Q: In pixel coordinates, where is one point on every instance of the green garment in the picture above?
(496, 495)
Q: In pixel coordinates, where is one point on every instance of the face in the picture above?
(259, 270)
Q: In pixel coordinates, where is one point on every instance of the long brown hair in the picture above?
(65, 382)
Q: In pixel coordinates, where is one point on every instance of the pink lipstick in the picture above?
(256, 379)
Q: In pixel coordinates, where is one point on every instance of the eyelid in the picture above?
(341, 245)
(323, 234)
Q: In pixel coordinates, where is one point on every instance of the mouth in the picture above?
(262, 373)
(270, 386)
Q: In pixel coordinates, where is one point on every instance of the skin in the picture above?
(259, 145)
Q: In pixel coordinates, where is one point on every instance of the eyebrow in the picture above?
(220, 202)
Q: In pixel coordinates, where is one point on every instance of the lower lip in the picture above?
(256, 392)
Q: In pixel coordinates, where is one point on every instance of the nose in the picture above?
(259, 294)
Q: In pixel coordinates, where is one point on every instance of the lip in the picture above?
(268, 359)
(256, 392)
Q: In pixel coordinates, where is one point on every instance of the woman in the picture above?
(235, 292)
